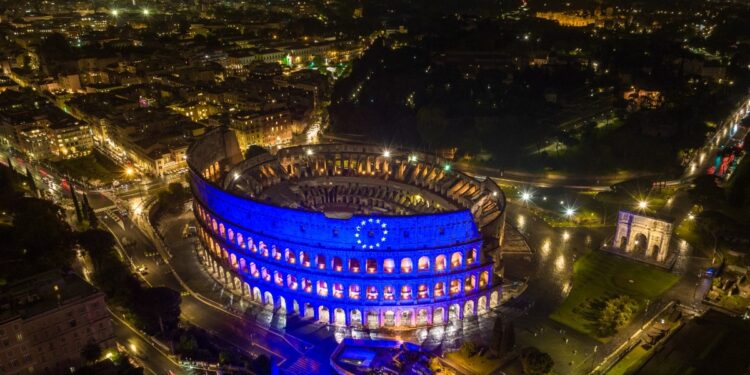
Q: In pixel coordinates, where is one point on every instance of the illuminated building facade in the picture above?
(348, 234)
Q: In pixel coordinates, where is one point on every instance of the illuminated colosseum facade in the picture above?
(351, 235)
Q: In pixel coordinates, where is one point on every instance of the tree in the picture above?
(509, 338)
(40, 229)
(91, 352)
(261, 365)
(535, 362)
(74, 196)
(158, 309)
(498, 334)
(98, 244)
(431, 125)
(616, 313)
(90, 214)
(31, 182)
(254, 150)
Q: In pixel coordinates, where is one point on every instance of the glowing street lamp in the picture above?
(146, 12)
(129, 171)
(526, 196)
(642, 205)
(115, 12)
(569, 212)
(386, 153)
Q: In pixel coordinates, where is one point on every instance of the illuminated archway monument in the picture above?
(643, 237)
(347, 234)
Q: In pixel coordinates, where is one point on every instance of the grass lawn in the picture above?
(598, 276)
(479, 364)
(90, 168)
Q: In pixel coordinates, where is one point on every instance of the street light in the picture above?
(115, 12)
(570, 211)
(129, 171)
(386, 153)
(526, 196)
(642, 205)
(145, 12)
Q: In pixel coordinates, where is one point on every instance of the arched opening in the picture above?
(423, 264)
(354, 291)
(439, 289)
(406, 316)
(484, 279)
(372, 319)
(320, 261)
(470, 283)
(339, 317)
(231, 235)
(306, 285)
(263, 248)
(454, 312)
(281, 304)
(641, 243)
(214, 225)
(268, 299)
(455, 287)
(437, 315)
(235, 264)
(371, 265)
(324, 314)
(655, 250)
(251, 245)
(254, 270)
(264, 273)
(456, 260)
(278, 279)
(494, 299)
(372, 293)
(389, 319)
(222, 231)
(289, 256)
(240, 241)
(291, 281)
(336, 264)
(471, 256)
(422, 317)
(389, 265)
(322, 288)
(406, 265)
(355, 318)
(440, 263)
(304, 259)
(309, 311)
(246, 290)
(469, 308)
(256, 295)
(354, 265)
(481, 305)
(243, 265)
(406, 293)
(295, 306)
(275, 253)
(338, 290)
(423, 292)
(388, 293)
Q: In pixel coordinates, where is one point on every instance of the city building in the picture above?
(45, 321)
(351, 235)
(263, 128)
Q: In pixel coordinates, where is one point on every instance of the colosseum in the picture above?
(348, 234)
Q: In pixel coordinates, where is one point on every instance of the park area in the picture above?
(95, 168)
(608, 291)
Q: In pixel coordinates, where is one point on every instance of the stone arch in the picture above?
(339, 316)
(254, 270)
(456, 260)
(289, 256)
(439, 290)
(354, 265)
(246, 290)
(481, 305)
(295, 306)
(291, 282)
(373, 319)
(471, 256)
(389, 265)
(389, 318)
(354, 291)
(304, 258)
(322, 288)
(324, 314)
(222, 231)
(640, 245)
(281, 304)
(278, 278)
(320, 261)
(309, 311)
(233, 261)
(423, 264)
(423, 291)
(422, 317)
(405, 317)
(437, 315)
(241, 241)
(337, 264)
(469, 308)
(243, 265)
(372, 293)
(268, 299)
(337, 290)
(371, 265)
(406, 293)
(256, 295)
(440, 263)
(265, 274)
(484, 279)
(406, 265)
(355, 318)
(454, 312)
(494, 299)
(470, 283)
(389, 293)
(455, 287)
(275, 253)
